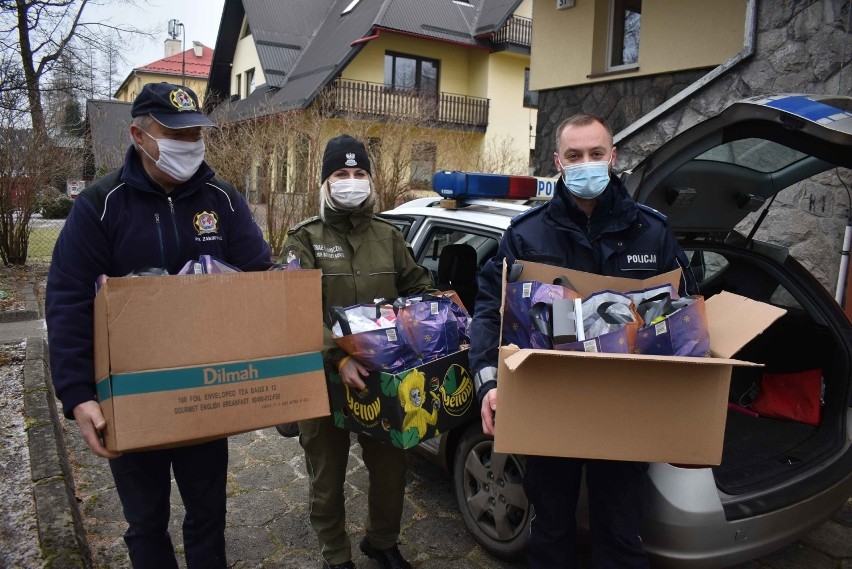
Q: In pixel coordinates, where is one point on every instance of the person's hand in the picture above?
(489, 408)
(90, 421)
(352, 372)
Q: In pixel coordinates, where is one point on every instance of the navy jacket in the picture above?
(621, 239)
(125, 222)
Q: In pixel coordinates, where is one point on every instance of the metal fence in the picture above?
(43, 234)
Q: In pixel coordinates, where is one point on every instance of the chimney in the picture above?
(172, 47)
(198, 48)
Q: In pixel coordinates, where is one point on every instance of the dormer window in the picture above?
(350, 7)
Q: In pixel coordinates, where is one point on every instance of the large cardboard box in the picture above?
(181, 359)
(408, 407)
(624, 406)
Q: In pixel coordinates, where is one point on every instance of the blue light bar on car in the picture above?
(475, 185)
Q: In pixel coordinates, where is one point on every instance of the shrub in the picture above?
(54, 205)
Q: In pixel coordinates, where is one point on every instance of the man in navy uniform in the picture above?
(591, 225)
(162, 208)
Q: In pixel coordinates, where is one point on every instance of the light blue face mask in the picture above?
(586, 180)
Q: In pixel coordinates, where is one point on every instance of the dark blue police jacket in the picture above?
(620, 239)
(125, 222)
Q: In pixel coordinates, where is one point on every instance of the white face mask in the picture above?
(350, 193)
(180, 159)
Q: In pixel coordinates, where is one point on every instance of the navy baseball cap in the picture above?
(173, 106)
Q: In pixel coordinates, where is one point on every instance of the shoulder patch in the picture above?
(303, 224)
(529, 212)
(659, 215)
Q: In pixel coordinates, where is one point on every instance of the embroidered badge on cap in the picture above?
(206, 222)
(350, 159)
(182, 101)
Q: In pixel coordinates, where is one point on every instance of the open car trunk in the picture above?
(762, 452)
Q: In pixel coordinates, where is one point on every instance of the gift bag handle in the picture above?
(338, 315)
(645, 307)
(541, 317)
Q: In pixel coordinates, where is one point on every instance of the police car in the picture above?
(716, 183)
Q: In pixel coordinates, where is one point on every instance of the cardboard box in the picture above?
(408, 407)
(182, 359)
(624, 406)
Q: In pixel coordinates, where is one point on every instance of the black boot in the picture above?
(344, 565)
(289, 430)
(387, 558)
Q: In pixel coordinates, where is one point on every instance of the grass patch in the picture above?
(40, 245)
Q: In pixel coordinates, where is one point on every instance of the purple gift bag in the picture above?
(379, 349)
(526, 314)
(682, 332)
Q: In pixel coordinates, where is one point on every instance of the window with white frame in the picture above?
(625, 17)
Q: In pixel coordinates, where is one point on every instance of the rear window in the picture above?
(754, 153)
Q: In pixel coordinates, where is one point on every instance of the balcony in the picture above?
(380, 102)
(515, 35)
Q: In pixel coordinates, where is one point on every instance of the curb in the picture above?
(60, 523)
(31, 309)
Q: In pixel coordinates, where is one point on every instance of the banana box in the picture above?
(408, 407)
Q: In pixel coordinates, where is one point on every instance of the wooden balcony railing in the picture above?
(380, 101)
(516, 31)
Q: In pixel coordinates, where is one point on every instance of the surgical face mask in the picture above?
(350, 193)
(180, 159)
(586, 180)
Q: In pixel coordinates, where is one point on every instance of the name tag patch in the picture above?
(638, 261)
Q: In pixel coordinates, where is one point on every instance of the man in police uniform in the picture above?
(591, 225)
(162, 208)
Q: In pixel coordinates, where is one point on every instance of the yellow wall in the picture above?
(568, 45)
(245, 58)
(134, 83)
(473, 72)
(524, 10)
(508, 119)
(455, 66)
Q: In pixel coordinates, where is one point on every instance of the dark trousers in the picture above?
(616, 506)
(143, 481)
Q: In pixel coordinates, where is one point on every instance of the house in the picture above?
(654, 68)
(455, 71)
(190, 68)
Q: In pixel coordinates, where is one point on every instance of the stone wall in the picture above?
(801, 46)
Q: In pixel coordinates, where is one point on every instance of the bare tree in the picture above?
(39, 32)
(28, 163)
(275, 158)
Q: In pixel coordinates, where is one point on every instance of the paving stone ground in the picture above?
(78, 521)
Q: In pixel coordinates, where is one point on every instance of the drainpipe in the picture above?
(746, 52)
(367, 38)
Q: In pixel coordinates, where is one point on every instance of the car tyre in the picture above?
(490, 495)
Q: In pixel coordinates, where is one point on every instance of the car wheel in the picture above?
(490, 495)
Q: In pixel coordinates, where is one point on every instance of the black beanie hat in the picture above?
(344, 152)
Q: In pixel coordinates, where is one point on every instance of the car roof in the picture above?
(708, 178)
(489, 213)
